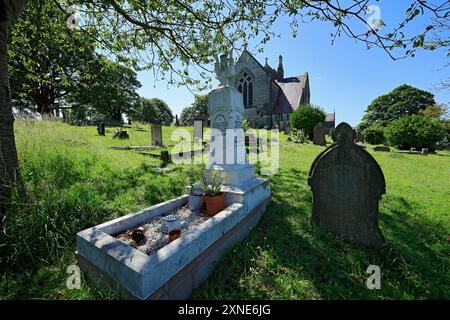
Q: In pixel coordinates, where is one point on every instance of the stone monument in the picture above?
(319, 134)
(156, 135)
(226, 113)
(347, 184)
(101, 129)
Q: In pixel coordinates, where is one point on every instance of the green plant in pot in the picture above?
(213, 197)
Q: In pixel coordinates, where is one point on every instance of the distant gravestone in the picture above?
(347, 184)
(101, 129)
(120, 134)
(165, 157)
(382, 149)
(319, 134)
(156, 135)
(198, 130)
(359, 137)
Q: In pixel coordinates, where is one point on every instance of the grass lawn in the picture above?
(75, 181)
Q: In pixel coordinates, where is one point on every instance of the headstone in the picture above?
(198, 130)
(359, 137)
(382, 149)
(226, 113)
(319, 134)
(156, 135)
(347, 184)
(101, 128)
(120, 134)
(165, 157)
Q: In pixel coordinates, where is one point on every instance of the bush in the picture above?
(306, 118)
(415, 131)
(298, 136)
(374, 134)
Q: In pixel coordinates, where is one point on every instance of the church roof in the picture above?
(290, 95)
(291, 88)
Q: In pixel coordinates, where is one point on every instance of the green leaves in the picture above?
(107, 90)
(154, 111)
(306, 117)
(403, 100)
(45, 58)
(198, 110)
(415, 131)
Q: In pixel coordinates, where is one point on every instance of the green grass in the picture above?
(75, 181)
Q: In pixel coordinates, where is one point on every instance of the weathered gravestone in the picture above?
(156, 135)
(359, 137)
(165, 157)
(101, 129)
(319, 134)
(382, 149)
(198, 130)
(347, 184)
(120, 134)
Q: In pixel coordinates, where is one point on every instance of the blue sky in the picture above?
(344, 77)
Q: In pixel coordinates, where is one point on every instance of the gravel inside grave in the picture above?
(155, 238)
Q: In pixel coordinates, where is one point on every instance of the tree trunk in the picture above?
(45, 110)
(9, 164)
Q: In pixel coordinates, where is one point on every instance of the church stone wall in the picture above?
(261, 80)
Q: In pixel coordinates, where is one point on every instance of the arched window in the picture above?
(246, 88)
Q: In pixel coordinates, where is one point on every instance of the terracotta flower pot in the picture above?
(174, 234)
(215, 204)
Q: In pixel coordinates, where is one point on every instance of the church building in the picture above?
(269, 97)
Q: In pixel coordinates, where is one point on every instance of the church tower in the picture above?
(280, 69)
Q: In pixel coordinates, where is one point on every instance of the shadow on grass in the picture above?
(285, 257)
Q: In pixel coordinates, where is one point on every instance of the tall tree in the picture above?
(9, 164)
(107, 88)
(155, 111)
(402, 101)
(45, 58)
(198, 110)
(178, 36)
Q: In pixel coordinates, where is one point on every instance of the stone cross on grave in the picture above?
(225, 71)
(226, 113)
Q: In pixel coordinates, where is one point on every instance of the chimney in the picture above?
(280, 69)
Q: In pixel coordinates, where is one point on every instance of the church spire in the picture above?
(280, 69)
